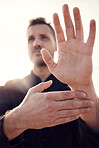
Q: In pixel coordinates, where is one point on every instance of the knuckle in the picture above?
(78, 94)
(66, 95)
(71, 104)
(70, 112)
(83, 104)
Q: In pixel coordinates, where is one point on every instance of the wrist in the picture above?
(90, 118)
(88, 89)
(82, 87)
(12, 125)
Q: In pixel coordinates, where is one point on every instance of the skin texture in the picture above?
(75, 56)
(74, 66)
(50, 109)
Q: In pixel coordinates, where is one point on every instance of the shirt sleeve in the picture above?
(4, 143)
(6, 104)
(87, 137)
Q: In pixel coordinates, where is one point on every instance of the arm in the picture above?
(47, 108)
(87, 137)
(74, 66)
(4, 143)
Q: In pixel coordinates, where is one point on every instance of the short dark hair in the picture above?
(40, 20)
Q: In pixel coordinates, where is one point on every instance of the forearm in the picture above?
(91, 118)
(13, 125)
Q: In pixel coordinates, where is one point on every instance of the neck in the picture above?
(42, 72)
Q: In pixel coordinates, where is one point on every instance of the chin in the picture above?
(38, 61)
(40, 64)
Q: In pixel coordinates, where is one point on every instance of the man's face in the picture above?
(40, 36)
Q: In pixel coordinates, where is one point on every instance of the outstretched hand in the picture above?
(74, 66)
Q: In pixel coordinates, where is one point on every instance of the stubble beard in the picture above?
(40, 64)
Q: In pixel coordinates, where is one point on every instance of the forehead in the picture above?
(39, 29)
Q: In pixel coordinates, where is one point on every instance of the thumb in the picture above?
(48, 59)
(40, 87)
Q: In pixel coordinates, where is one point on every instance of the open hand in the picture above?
(74, 66)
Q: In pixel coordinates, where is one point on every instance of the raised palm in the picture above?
(74, 65)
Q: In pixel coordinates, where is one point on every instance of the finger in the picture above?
(58, 29)
(40, 87)
(92, 32)
(78, 24)
(48, 59)
(74, 104)
(65, 120)
(63, 95)
(68, 23)
(71, 113)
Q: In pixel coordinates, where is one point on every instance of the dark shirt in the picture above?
(74, 134)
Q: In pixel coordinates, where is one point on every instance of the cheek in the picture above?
(29, 46)
(30, 49)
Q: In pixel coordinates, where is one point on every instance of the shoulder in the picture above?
(22, 83)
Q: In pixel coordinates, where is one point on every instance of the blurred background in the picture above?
(14, 17)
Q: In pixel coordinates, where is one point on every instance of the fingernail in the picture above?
(91, 103)
(84, 95)
(77, 116)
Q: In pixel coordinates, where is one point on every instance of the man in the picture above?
(40, 116)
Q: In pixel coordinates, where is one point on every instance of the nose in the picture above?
(36, 43)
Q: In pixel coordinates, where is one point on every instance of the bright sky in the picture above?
(14, 16)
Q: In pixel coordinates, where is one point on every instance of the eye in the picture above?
(44, 37)
(31, 38)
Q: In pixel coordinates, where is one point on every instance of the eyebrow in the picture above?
(44, 35)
